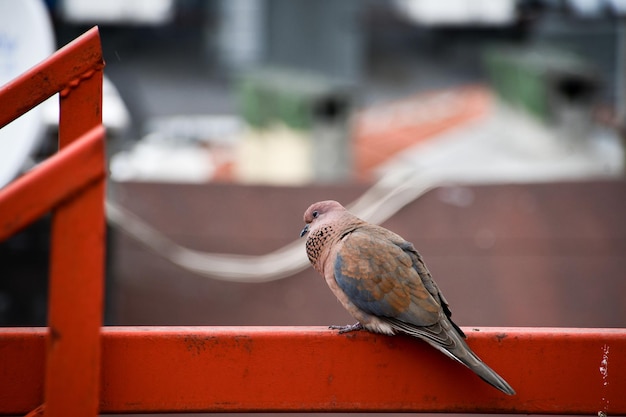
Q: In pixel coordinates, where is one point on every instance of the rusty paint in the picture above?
(207, 369)
(501, 336)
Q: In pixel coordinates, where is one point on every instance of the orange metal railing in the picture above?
(71, 184)
(76, 368)
(300, 369)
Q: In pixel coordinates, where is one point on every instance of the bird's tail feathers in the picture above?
(462, 353)
(444, 337)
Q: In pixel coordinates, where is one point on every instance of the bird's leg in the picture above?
(347, 328)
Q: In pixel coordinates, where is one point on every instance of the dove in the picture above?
(383, 282)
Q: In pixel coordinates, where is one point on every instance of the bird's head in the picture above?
(320, 212)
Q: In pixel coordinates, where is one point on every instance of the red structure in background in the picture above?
(75, 367)
(383, 131)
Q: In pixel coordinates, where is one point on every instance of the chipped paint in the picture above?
(604, 372)
(604, 365)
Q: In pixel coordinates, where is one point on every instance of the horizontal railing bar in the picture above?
(299, 369)
(59, 73)
(29, 197)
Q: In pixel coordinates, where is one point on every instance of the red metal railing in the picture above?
(212, 369)
(71, 183)
(300, 369)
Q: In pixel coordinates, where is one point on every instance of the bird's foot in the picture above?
(347, 328)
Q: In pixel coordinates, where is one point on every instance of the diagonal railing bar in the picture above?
(55, 180)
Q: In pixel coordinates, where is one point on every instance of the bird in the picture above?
(383, 282)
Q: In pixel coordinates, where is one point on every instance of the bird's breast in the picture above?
(317, 244)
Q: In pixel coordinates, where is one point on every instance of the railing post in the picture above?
(72, 381)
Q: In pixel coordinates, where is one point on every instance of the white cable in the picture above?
(376, 205)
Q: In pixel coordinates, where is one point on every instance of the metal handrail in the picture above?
(71, 184)
(313, 369)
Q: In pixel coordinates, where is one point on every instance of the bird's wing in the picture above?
(378, 276)
(427, 280)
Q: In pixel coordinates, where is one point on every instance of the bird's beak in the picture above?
(304, 231)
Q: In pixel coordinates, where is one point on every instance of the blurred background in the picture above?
(488, 133)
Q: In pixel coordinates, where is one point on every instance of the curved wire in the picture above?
(377, 204)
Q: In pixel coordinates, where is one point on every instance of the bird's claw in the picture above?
(347, 328)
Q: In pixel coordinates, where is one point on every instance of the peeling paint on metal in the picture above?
(604, 373)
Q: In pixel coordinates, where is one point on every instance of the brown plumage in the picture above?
(382, 281)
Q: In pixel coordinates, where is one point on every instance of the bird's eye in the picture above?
(315, 214)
